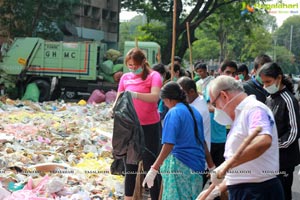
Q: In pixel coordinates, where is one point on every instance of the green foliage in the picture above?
(258, 42)
(226, 33)
(151, 31)
(239, 38)
(9, 82)
(283, 36)
(126, 34)
(204, 48)
(285, 59)
(162, 10)
(35, 17)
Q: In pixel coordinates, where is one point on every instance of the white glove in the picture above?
(214, 193)
(211, 169)
(149, 179)
(214, 176)
(133, 94)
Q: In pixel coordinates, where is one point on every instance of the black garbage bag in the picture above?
(117, 167)
(128, 135)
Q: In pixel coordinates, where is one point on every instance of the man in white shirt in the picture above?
(201, 70)
(198, 102)
(253, 174)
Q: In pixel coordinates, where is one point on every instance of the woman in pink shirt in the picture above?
(144, 85)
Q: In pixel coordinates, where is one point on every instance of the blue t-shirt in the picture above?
(217, 131)
(179, 129)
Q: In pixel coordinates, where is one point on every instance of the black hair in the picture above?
(188, 73)
(168, 75)
(172, 90)
(177, 58)
(187, 84)
(160, 68)
(273, 70)
(200, 65)
(228, 63)
(176, 68)
(261, 60)
(242, 68)
(182, 72)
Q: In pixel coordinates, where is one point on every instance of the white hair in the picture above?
(222, 83)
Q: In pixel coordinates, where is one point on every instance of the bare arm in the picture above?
(223, 186)
(208, 157)
(165, 151)
(153, 96)
(118, 94)
(256, 148)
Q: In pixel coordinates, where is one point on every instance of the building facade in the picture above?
(98, 20)
(93, 20)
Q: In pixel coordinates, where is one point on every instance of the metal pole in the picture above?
(275, 44)
(291, 38)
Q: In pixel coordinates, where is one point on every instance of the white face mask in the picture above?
(221, 116)
(272, 89)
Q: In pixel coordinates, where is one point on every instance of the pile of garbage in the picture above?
(56, 150)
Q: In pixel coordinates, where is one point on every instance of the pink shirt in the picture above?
(147, 112)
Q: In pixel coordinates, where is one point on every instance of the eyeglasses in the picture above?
(214, 102)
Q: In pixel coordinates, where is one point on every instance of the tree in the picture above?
(238, 37)
(162, 10)
(129, 31)
(258, 42)
(205, 48)
(35, 17)
(288, 35)
(133, 29)
(284, 58)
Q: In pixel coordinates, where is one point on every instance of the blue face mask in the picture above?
(137, 71)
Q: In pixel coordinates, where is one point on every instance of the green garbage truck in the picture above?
(69, 70)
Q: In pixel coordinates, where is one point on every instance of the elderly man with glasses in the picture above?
(253, 174)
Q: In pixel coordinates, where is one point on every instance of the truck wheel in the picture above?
(44, 88)
(56, 94)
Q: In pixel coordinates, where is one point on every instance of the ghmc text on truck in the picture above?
(65, 69)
